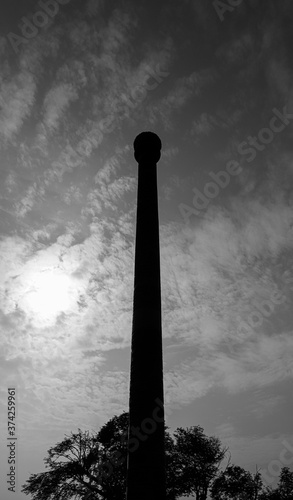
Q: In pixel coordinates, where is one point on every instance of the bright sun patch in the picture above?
(48, 294)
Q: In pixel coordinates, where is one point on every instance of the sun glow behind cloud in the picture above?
(48, 292)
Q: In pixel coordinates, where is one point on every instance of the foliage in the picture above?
(237, 484)
(93, 467)
(285, 487)
(198, 460)
(284, 490)
(73, 467)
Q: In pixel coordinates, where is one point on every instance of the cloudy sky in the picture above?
(214, 80)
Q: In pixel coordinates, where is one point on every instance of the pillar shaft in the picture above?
(146, 456)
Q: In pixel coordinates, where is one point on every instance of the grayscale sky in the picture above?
(77, 84)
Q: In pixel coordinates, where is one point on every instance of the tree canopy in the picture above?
(237, 484)
(88, 466)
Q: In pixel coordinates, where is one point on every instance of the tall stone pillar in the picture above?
(146, 455)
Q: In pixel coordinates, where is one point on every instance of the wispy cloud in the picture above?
(16, 100)
(56, 102)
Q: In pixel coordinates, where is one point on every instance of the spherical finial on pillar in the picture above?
(147, 147)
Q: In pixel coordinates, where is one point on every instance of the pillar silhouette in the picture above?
(146, 454)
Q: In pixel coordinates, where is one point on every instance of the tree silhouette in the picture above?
(91, 467)
(199, 459)
(235, 483)
(73, 465)
(284, 490)
(285, 486)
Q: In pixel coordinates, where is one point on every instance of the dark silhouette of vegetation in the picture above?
(237, 484)
(284, 490)
(93, 467)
